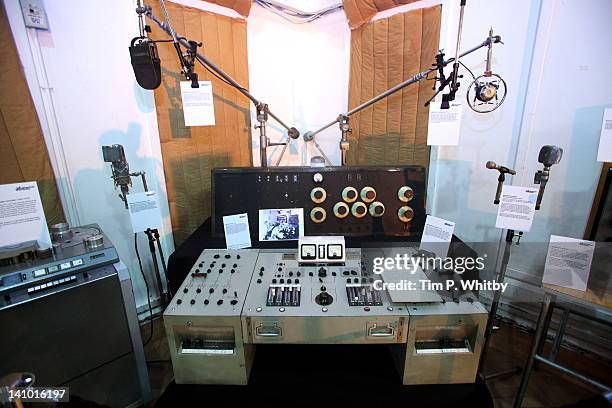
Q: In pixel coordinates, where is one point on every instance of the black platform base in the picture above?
(356, 375)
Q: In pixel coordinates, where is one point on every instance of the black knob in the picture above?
(233, 271)
(224, 290)
(216, 256)
(297, 281)
(238, 256)
(333, 273)
(258, 280)
(223, 265)
(200, 264)
(348, 280)
(288, 280)
(198, 290)
(273, 280)
(280, 269)
(220, 270)
(282, 281)
(262, 269)
(323, 288)
(310, 273)
(211, 290)
(322, 272)
(299, 274)
(179, 301)
(260, 273)
(234, 301)
(208, 270)
(324, 299)
(227, 256)
(85, 275)
(192, 301)
(235, 265)
(185, 290)
(290, 273)
(206, 301)
(220, 302)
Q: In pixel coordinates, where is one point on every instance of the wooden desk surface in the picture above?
(604, 298)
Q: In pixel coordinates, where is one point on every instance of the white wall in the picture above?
(86, 96)
(301, 71)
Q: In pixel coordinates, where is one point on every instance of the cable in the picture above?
(144, 278)
(294, 15)
(469, 70)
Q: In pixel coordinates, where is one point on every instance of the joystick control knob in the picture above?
(324, 299)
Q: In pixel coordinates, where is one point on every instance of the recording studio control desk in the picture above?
(233, 300)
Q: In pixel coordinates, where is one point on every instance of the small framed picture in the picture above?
(281, 224)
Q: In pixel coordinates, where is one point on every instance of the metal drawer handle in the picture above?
(268, 331)
(375, 331)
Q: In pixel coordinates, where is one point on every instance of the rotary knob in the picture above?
(318, 195)
(317, 177)
(359, 210)
(405, 194)
(377, 209)
(324, 299)
(341, 210)
(405, 214)
(318, 215)
(368, 194)
(349, 194)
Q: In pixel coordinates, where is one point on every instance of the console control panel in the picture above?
(348, 201)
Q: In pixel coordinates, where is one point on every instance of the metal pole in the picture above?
(310, 135)
(292, 131)
(539, 333)
(559, 337)
(496, 297)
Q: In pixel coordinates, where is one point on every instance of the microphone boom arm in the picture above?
(343, 118)
(262, 109)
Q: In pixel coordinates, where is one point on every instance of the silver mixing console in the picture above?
(203, 320)
(234, 299)
(336, 303)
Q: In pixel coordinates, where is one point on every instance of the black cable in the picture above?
(469, 70)
(144, 278)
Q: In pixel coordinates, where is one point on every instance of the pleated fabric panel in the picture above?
(385, 53)
(189, 153)
(359, 12)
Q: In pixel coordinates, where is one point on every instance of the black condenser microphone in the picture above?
(121, 170)
(146, 62)
(548, 156)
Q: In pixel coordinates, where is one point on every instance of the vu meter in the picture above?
(321, 249)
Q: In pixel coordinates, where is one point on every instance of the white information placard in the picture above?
(22, 217)
(604, 154)
(568, 262)
(144, 211)
(437, 235)
(444, 124)
(516, 208)
(237, 233)
(198, 106)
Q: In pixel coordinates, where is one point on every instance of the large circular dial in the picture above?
(359, 210)
(405, 194)
(405, 214)
(318, 195)
(318, 215)
(368, 194)
(341, 210)
(377, 209)
(349, 194)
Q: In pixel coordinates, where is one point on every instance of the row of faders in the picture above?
(203, 320)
